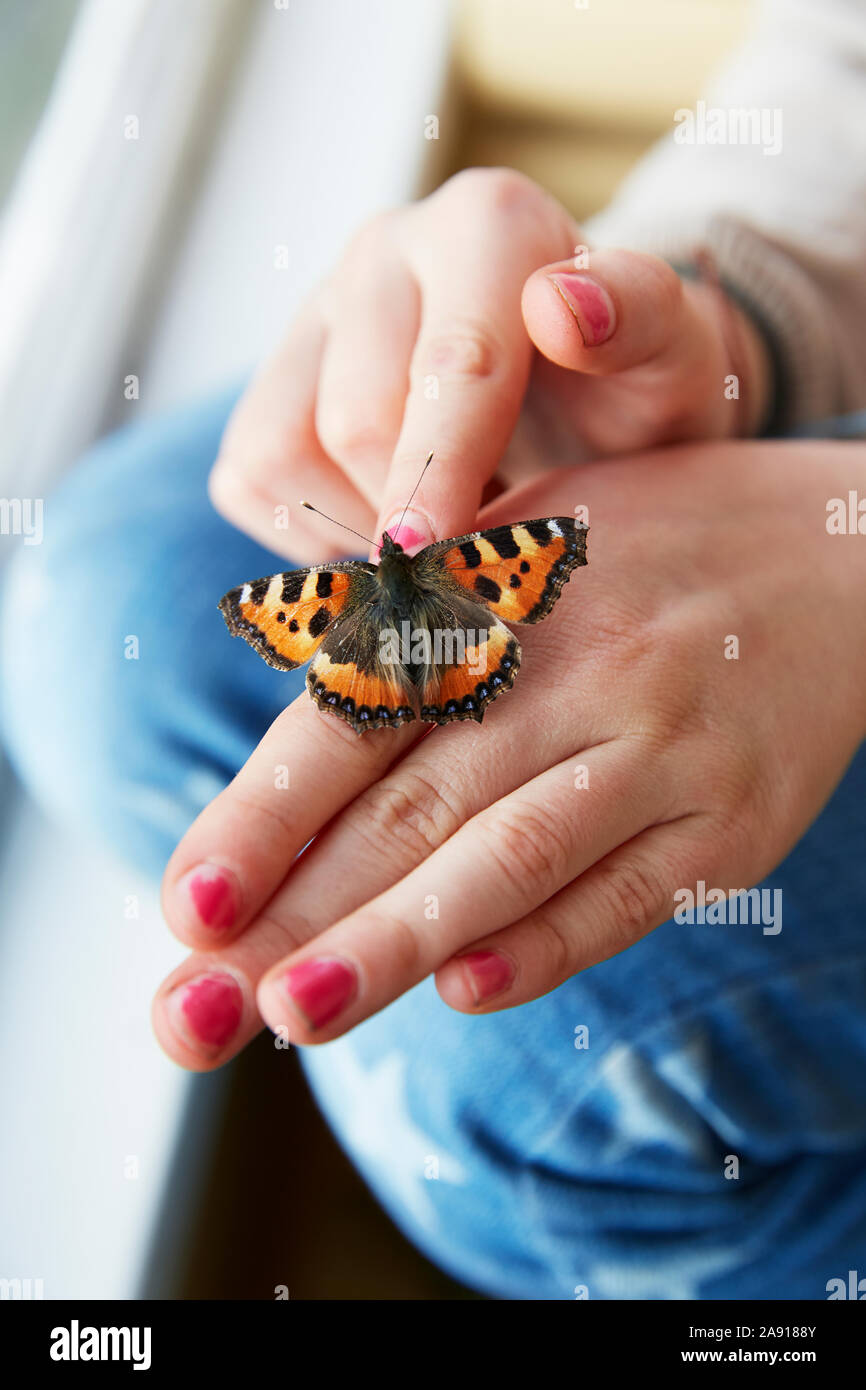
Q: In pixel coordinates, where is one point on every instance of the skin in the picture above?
(698, 766)
(458, 287)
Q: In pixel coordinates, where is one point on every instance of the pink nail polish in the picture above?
(590, 304)
(487, 973)
(320, 988)
(215, 895)
(407, 537)
(209, 1007)
(411, 531)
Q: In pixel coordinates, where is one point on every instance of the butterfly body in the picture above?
(414, 636)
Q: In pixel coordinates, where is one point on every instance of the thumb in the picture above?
(624, 310)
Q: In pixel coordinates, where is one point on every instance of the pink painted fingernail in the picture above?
(487, 973)
(412, 534)
(215, 895)
(320, 988)
(207, 1008)
(591, 305)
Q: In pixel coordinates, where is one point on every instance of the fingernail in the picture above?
(487, 973)
(320, 988)
(207, 1009)
(214, 894)
(412, 533)
(591, 305)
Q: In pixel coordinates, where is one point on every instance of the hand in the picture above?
(442, 329)
(697, 766)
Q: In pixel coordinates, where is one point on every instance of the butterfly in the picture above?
(416, 635)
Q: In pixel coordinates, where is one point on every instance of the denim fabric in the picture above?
(525, 1163)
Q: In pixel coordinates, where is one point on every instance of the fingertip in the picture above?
(622, 309)
(276, 1011)
(476, 980)
(453, 988)
(569, 317)
(310, 998)
(201, 1013)
(412, 530)
(204, 905)
(589, 304)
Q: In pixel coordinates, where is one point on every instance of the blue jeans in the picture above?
(709, 1142)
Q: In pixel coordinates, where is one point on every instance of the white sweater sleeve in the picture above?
(783, 212)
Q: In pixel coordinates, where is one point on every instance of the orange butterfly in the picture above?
(413, 635)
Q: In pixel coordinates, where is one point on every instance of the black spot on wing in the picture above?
(324, 584)
(319, 621)
(487, 589)
(525, 567)
(515, 581)
(258, 591)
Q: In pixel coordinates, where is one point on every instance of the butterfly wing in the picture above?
(466, 674)
(468, 584)
(516, 572)
(286, 616)
(354, 677)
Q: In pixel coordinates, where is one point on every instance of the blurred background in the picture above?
(174, 176)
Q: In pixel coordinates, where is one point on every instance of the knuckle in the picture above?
(368, 239)
(743, 820)
(346, 433)
(551, 940)
(500, 189)
(411, 812)
(524, 846)
(274, 814)
(236, 490)
(464, 351)
(634, 895)
(404, 946)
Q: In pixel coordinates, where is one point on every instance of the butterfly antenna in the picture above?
(416, 487)
(310, 508)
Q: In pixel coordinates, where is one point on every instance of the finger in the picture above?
(388, 829)
(625, 310)
(270, 456)
(612, 905)
(494, 870)
(471, 361)
(384, 833)
(241, 846)
(364, 376)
